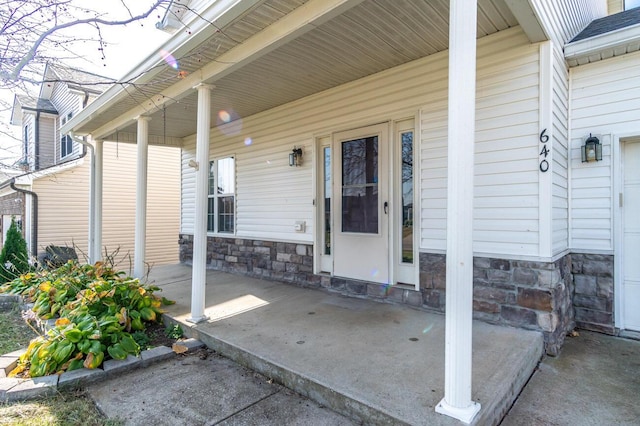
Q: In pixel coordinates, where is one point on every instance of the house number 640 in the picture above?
(544, 164)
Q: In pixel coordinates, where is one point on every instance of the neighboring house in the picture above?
(327, 155)
(51, 193)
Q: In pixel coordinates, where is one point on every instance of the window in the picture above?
(631, 4)
(221, 206)
(66, 143)
(26, 143)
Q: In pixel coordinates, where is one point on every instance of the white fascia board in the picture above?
(51, 170)
(529, 21)
(597, 45)
(221, 12)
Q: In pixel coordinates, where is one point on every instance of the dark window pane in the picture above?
(360, 210)
(212, 181)
(327, 200)
(225, 214)
(360, 161)
(210, 214)
(407, 197)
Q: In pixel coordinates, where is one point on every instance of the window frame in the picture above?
(66, 142)
(213, 217)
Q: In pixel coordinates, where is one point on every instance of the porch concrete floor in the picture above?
(374, 362)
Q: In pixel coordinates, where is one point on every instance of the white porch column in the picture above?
(140, 241)
(457, 401)
(97, 236)
(199, 269)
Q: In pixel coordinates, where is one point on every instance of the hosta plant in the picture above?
(96, 307)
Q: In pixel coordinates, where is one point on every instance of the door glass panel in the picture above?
(327, 200)
(407, 197)
(360, 185)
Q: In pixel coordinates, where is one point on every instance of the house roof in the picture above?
(609, 23)
(36, 104)
(613, 35)
(74, 78)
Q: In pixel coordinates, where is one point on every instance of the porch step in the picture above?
(375, 363)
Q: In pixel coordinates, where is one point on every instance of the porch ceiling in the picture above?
(367, 38)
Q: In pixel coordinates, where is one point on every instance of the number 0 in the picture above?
(544, 166)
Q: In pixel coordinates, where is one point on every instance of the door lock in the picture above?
(386, 207)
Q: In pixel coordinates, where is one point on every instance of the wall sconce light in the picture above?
(591, 150)
(295, 157)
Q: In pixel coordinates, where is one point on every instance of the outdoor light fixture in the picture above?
(591, 150)
(295, 157)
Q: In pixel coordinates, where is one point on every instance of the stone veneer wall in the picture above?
(12, 204)
(593, 299)
(527, 294)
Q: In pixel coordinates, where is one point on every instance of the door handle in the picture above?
(386, 207)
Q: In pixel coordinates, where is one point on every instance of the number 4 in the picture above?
(544, 151)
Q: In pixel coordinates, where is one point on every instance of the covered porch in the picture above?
(374, 362)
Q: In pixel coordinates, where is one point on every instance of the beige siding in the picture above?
(564, 19)
(63, 199)
(604, 102)
(615, 6)
(560, 154)
(271, 196)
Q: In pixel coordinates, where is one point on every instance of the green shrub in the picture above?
(14, 258)
(97, 307)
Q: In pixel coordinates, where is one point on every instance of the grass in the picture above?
(14, 332)
(67, 408)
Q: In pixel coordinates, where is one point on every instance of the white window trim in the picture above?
(217, 196)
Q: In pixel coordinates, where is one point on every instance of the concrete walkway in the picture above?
(594, 381)
(375, 363)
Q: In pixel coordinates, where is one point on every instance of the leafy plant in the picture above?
(174, 332)
(97, 308)
(142, 339)
(14, 259)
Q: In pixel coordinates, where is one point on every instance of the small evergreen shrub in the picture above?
(14, 259)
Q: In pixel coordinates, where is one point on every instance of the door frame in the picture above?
(323, 264)
(617, 159)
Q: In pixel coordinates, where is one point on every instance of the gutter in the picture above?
(34, 216)
(36, 149)
(93, 256)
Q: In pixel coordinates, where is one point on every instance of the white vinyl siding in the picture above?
(47, 146)
(65, 102)
(271, 196)
(563, 19)
(66, 195)
(560, 154)
(604, 102)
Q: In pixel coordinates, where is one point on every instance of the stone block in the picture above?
(500, 264)
(283, 257)
(525, 276)
(519, 316)
(433, 299)
(278, 266)
(156, 354)
(6, 385)
(584, 315)
(547, 321)
(600, 268)
(491, 294)
(604, 287)
(484, 306)
(549, 278)
(301, 250)
(292, 267)
(33, 388)
(590, 302)
(7, 363)
(356, 288)
(413, 298)
(533, 298)
(376, 290)
(497, 276)
(482, 262)
(191, 344)
(80, 377)
(117, 366)
(396, 294)
(586, 285)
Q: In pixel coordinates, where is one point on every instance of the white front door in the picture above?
(631, 236)
(361, 196)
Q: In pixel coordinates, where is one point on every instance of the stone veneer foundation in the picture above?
(527, 294)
